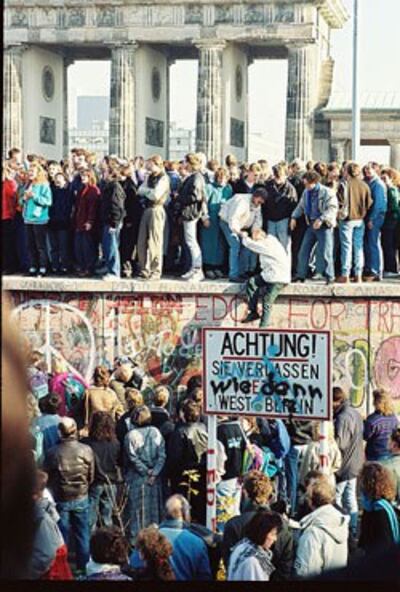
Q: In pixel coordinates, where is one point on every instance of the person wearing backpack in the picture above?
(354, 197)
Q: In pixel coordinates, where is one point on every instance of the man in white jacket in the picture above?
(323, 543)
(238, 215)
(275, 273)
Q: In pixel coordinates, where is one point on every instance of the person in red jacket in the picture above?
(8, 211)
(86, 213)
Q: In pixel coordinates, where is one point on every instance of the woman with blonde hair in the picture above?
(379, 425)
(35, 198)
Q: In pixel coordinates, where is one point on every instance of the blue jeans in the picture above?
(110, 245)
(59, 249)
(280, 230)
(324, 239)
(351, 234)
(190, 233)
(74, 524)
(240, 258)
(346, 498)
(373, 251)
(85, 250)
(292, 460)
(101, 498)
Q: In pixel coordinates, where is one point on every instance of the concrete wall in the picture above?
(36, 106)
(163, 332)
(146, 59)
(232, 58)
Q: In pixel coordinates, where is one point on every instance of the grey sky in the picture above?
(378, 73)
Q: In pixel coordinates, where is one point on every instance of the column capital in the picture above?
(17, 48)
(218, 44)
(128, 45)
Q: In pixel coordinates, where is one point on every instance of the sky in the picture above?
(268, 78)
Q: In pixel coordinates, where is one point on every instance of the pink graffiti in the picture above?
(387, 366)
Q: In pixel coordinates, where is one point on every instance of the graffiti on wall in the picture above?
(163, 333)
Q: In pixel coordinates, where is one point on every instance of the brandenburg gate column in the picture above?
(122, 100)
(301, 101)
(12, 85)
(210, 98)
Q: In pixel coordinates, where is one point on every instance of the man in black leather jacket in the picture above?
(70, 466)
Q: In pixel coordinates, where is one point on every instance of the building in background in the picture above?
(92, 130)
(181, 141)
(90, 110)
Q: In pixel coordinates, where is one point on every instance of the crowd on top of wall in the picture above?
(150, 218)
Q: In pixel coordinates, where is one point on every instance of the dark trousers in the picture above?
(389, 246)
(85, 250)
(128, 243)
(9, 261)
(256, 287)
(21, 243)
(37, 248)
(297, 238)
(59, 249)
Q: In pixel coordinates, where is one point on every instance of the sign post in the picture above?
(264, 372)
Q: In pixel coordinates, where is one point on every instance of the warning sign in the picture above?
(267, 372)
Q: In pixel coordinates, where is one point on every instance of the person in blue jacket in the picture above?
(35, 197)
(375, 219)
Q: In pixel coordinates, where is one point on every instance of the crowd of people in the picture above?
(121, 486)
(194, 219)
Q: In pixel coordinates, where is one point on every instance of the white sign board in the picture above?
(270, 372)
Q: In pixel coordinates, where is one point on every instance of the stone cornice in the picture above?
(334, 12)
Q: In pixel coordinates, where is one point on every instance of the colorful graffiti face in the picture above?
(387, 366)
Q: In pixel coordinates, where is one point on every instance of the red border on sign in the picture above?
(278, 416)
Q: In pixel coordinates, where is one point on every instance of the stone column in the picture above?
(209, 98)
(301, 102)
(395, 154)
(67, 62)
(12, 98)
(122, 100)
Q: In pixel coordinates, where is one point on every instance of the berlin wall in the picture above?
(163, 332)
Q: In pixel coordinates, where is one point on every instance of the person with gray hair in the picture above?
(70, 466)
(189, 558)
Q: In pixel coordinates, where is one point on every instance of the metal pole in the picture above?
(356, 109)
(324, 446)
(211, 473)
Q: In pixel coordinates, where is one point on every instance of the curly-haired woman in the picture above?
(380, 521)
(155, 551)
(379, 425)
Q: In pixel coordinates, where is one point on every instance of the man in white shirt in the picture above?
(239, 214)
(275, 273)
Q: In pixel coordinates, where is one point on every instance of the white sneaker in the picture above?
(390, 274)
(318, 277)
(109, 277)
(188, 275)
(198, 276)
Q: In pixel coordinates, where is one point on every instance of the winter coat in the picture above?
(161, 419)
(377, 211)
(297, 182)
(133, 205)
(282, 550)
(393, 206)
(47, 538)
(87, 207)
(354, 198)
(187, 447)
(280, 203)
(48, 425)
(61, 208)
(107, 456)
(112, 208)
(212, 242)
(155, 189)
(375, 531)
(8, 199)
(377, 431)
(323, 543)
(70, 466)
(240, 213)
(327, 206)
(311, 461)
(189, 558)
(102, 399)
(192, 197)
(36, 209)
(275, 262)
(349, 437)
(250, 562)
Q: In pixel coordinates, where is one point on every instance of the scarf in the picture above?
(382, 504)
